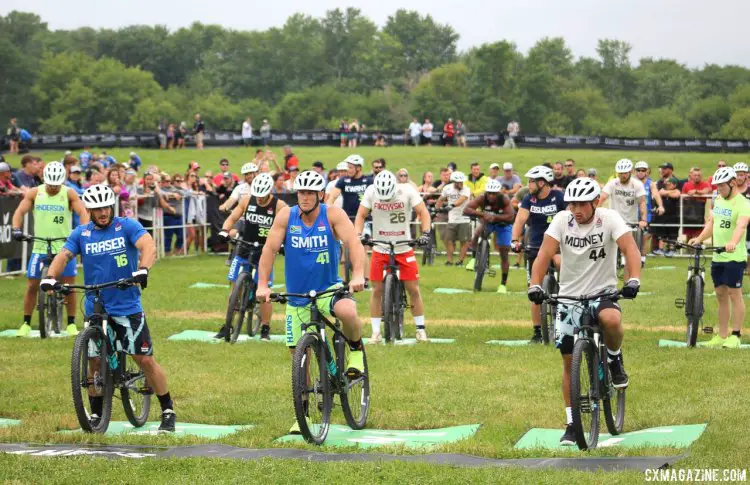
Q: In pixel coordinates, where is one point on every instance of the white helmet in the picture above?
(458, 177)
(641, 164)
(385, 185)
(624, 166)
(261, 186)
(132, 154)
(97, 196)
(310, 180)
(249, 167)
(582, 190)
(355, 160)
(723, 175)
(54, 173)
(342, 166)
(740, 167)
(493, 186)
(541, 172)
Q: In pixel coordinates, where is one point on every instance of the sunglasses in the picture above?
(377, 167)
(177, 180)
(165, 181)
(224, 164)
(641, 170)
(402, 175)
(568, 166)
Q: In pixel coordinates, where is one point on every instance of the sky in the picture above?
(693, 32)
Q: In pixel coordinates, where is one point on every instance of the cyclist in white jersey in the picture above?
(588, 238)
(342, 168)
(249, 171)
(628, 197)
(391, 205)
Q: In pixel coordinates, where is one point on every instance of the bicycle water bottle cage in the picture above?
(679, 302)
(708, 330)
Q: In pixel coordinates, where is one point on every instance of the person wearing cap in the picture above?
(476, 180)
(727, 228)
(224, 169)
(666, 171)
(318, 167)
(249, 171)
(642, 173)
(510, 181)
(6, 186)
(351, 187)
(74, 180)
(134, 161)
(53, 205)
(494, 173)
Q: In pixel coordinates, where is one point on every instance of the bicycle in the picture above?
(317, 373)
(482, 256)
(242, 301)
(98, 367)
(429, 251)
(590, 379)
(693, 301)
(637, 233)
(548, 310)
(49, 306)
(394, 301)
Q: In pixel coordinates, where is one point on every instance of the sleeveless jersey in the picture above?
(541, 213)
(495, 209)
(391, 218)
(52, 218)
(649, 200)
(258, 221)
(312, 255)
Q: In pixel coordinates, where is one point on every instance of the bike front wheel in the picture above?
(693, 308)
(237, 308)
(390, 309)
(480, 264)
(584, 394)
(90, 377)
(355, 397)
(546, 311)
(311, 390)
(47, 310)
(135, 392)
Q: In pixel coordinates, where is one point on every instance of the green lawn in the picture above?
(507, 389)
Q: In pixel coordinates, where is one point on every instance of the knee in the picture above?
(345, 309)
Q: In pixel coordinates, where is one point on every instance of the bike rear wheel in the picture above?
(236, 308)
(546, 311)
(59, 303)
(584, 394)
(91, 376)
(693, 308)
(135, 392)
(311, 390)
(480, 264)
(355, 397)
(613, 400)
(390, 311)
(47, 310)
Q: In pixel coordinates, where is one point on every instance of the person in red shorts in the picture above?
(391, 204)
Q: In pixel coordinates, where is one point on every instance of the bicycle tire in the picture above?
(45, 310)
(130, 395)
(614, 420)
(58, 321)
(235, 308)
(480, 264)
(400, 298)
(253, 326)
(79, 374)
(693, 308)
(389, 307)
(545, 310)
(552, 324)
(584, 357)
(355, 419)
(310, 345)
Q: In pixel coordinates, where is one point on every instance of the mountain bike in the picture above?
(482, 256)
(548, 310)
(590, 378)
(98, 366)
(693, 301)
(49, 306)
(242, 304)
(429, 251)
(394, 301)
(319, 372)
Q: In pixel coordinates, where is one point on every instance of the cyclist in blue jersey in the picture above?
(538, 208)
(642, 172)
(352, 187)
(310, 232)
(114, 248)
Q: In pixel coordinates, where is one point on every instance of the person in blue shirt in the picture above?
(134, 161)
(310, 232)
(114, 248)
(85, 158)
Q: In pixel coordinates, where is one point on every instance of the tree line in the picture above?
(311, 72)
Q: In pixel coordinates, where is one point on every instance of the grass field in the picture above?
(508, 390)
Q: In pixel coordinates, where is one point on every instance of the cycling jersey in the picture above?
(588, 252)
(241, 190)
(452, 194)
(390, 218)
(339, 202)
(84, 160)
(52, 218)
(352, 191)
(725, 215)
(624, 197)
(312, 255)
(495, 209)
(108, 255)
(258, 221)
(541, 213)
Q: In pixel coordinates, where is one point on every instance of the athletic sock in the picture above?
(97, 403)
(537, 329)
(71, 320)
(613, 355)
(736, 333)
(568, 415)
(419, 322)
(165, 401)
(27, 319)
(356, 345)
(505, 278)
(643, 259)
(375, 322)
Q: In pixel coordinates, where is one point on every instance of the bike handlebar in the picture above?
(372, 242)
(238, 240)
(30, 238)
(613, 295)
(310, 295)
(717, 249)
(121, 284)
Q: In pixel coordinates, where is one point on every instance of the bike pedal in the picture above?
(708, 330)
(679, 302)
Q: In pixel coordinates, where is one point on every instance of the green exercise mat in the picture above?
(450, 291)
(509, 343)
(32, 334)
(206, 336)
(9, 422)
(675, 343)
(411, 341)
(370, 438)
(182, 429)
(678, 436)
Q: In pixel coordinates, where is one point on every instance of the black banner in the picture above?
(9, 249)
(331, 138)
